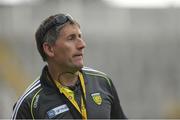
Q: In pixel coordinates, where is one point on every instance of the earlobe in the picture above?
(48, 49)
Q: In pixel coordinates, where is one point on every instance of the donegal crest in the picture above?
(97, 98)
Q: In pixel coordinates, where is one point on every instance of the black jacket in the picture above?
(42, 99)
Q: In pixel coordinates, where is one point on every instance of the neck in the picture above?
(64, 77)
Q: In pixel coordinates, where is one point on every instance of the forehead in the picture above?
(70, 29)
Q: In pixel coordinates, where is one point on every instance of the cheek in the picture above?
(62, 53)
(63, 50)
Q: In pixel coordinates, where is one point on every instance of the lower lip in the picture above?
(80, 56)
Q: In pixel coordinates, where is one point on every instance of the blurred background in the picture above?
(137, 43)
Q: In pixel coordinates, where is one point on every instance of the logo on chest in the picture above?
(97, 98)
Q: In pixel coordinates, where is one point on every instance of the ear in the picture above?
(48, 49)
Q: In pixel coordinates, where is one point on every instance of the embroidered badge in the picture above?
(58, 110)
(97, 98)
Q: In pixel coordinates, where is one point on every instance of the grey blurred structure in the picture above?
(138, 48)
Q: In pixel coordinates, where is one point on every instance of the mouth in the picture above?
(78, 59)
(78, 55)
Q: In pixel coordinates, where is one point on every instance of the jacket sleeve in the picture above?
(21, 110)
(116, 109)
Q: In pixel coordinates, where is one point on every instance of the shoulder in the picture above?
(32, 89)
(96, 74)
(24, 102)
(93, 71)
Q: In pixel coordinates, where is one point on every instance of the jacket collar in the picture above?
(46, 78)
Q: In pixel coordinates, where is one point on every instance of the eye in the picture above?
(72, 37)
(80, 36)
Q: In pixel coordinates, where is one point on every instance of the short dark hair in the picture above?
(49, 29)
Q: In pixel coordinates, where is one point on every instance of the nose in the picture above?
(81, 44)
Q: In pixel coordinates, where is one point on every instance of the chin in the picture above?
(79, 67)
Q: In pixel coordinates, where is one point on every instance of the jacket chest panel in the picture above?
(52, 106)
(98, 102)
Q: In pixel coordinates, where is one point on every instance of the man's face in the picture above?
(69, 48)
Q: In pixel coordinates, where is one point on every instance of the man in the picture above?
(65, 88)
